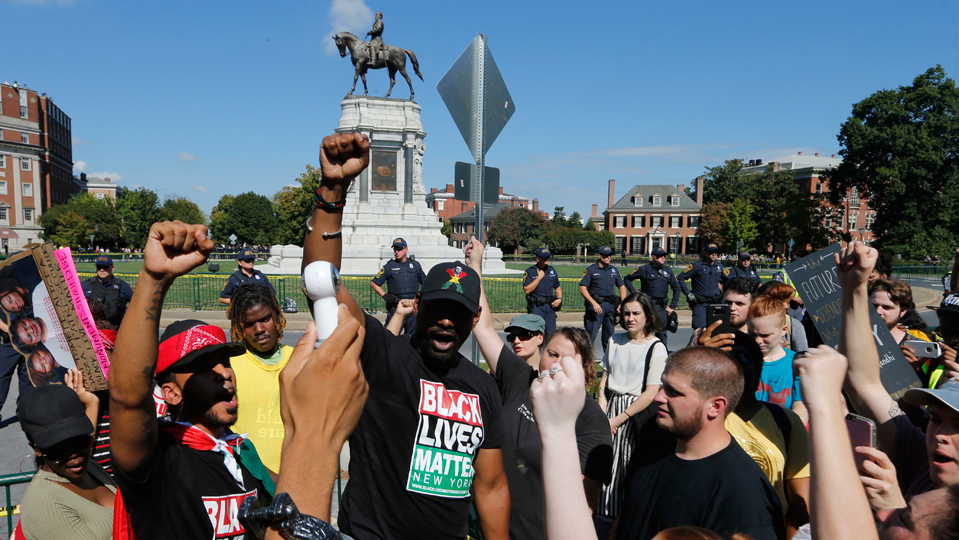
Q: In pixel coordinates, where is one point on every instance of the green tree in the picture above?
(138, 210)
(249, 216)
(517, 228)
(447, 231)
(559, 217)
(183, 209)
(294, 205)
(779, 207)
(100, 216)
(220, 220)
(711, 223)
(738, 225)
(900, 149)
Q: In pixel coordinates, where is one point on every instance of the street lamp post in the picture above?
(862, 231)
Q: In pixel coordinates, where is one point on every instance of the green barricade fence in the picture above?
(201, 292)
(9, 510)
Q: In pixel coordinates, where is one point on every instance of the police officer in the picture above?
(599, 287)
(246, 272)
(706, 276)
(113, 292)
(403, 277)
(655, 280)
(743, 269)
(543, 293)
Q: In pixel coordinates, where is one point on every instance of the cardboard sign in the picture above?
(814, 277)
(48, 320)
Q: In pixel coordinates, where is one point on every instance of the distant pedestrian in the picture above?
(544, 295)
(603, 289)
(402, 277)
(112, 291)
(246, 273)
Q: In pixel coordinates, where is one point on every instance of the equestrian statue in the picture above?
(373, 54)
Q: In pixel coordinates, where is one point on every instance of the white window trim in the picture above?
(25, 164)
(27, 186)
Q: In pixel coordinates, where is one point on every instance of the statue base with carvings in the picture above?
(388, 200)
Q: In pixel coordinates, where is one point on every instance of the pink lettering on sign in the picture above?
(436, 400)
(69, 270)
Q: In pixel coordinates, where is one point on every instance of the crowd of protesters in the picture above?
(742, 434)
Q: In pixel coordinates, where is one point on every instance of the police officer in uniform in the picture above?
(655, 280)
(113, 292)
(543, 292)
(743, 269)
(706, 276)
(246, 272)
(403, 277)
(599, 287)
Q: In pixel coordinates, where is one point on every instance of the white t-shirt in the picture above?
(625, 363)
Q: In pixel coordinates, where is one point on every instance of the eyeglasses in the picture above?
(99, 267)
(606, 256)
(395, 248)
(523, 335)
(62, 451)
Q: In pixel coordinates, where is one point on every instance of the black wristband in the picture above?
(323, 204)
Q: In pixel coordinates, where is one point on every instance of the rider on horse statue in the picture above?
(376, 41)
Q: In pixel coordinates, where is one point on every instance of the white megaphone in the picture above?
(321, 282)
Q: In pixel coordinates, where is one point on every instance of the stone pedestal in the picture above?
(388, 200)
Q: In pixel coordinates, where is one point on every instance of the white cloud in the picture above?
(113, 176)
(347, 16)
(80, 167)
(201, 189)
(76, 141)
(188, 157)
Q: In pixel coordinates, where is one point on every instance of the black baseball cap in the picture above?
(103, 260)
(659, 252)
(245, 254)
(52, 413)
(605, 251)
(452, 281)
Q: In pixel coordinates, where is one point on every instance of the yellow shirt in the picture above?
(258, 395)
(762, 439)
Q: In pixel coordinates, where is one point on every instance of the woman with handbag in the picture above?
(633, 365)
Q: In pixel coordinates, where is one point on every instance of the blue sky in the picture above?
(201, 99)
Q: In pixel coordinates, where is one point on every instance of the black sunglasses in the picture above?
(523, 335)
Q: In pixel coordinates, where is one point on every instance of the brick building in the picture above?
(651, 216)
(464, 223)
(100, 188)
(36, 162)
(447, 206)
(852, 213)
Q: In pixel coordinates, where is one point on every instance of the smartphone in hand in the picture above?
(862, 432)
(719, 312)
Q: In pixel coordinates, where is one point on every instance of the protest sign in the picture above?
(49, 323)
(814, 277)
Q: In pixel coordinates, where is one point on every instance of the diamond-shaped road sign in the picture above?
(458, 88)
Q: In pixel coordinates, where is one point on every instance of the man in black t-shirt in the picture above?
(429, 438)
(690, 471)
(182, 480)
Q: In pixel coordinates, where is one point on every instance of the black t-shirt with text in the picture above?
(186, 494)
(412, 452)
(725, 492)
(523, 451)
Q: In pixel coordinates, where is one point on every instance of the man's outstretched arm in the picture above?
(343, 156)
(172, 249)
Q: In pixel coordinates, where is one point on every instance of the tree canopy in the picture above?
(183, 209)
(516, 228)
(249, 216)
(293, 205)
(900, 148)
(138, 210)
(72, 223)
(777, 207)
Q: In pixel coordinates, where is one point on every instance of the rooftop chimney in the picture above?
(449, 188)
(595, 210)
(107, 179)
(612, 191)
(432, 190)
(681, 188)
(501, 190)
(834, 156)
(817, 154)
(535, 205)
(699, 189)
(800, 153)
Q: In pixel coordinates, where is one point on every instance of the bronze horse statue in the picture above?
(394, 60)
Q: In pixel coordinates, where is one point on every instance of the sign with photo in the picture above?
(47, 319)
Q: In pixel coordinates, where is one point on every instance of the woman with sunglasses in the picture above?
(515, 366)
(633, 366)
(71, 496)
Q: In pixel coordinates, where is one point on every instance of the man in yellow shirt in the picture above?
(257, 321)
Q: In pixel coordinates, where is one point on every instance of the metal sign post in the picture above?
(476, 96)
